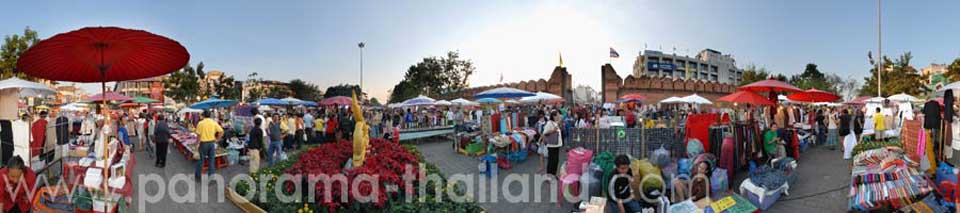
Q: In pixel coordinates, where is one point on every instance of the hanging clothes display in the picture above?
(6, 141)
(21, 139)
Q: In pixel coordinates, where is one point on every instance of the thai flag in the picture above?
(613, 53)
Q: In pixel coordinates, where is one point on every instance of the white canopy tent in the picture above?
(696, 99)
(903, 97)
(672, 100)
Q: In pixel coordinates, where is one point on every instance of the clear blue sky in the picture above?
(316, 40)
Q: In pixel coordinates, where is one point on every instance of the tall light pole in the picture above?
(361, 45)
(879, 49)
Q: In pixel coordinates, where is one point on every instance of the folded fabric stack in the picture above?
(872, 191)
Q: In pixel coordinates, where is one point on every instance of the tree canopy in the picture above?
(812, 78)
(305, 91)
(897, 76)
(753, 74)
(434, 76)
(14, 46)
(182, 85)
(342, 90)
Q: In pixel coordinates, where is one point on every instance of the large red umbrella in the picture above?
(108, 96)
(770, 85)
(813, 95)
(746, 97)
(101, 54)
(336, 100)
(632, 97)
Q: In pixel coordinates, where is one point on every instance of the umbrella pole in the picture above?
(103, 111)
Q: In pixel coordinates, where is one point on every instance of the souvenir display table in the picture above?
(82, 172)
(883, 179)
(186, 141)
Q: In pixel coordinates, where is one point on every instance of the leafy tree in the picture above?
(14, 46)
(228, 89)
(277, 93)
(342, 90)
(753, 74)
(953, 71)
(182, 85)
(375, 102)
(779, 77)
(898, 77)
(812, 78)
(403, 91)
(305, 91)
(434, 76)
(255, 92)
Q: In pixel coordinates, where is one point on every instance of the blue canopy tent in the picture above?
(213, 103)
(272, 102)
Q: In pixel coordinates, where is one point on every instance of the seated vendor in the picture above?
(622, 195)
(14, 199)
(700, 184)
(772, 144)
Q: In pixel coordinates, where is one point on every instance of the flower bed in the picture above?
(386, 162)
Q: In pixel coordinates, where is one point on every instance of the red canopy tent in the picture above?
(813, 95)
(632, 97)
(101, 54)
(336, 100)
(770, 85)
(746, 97)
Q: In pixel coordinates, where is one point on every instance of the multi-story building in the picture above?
(932, 70)
(70, 93)
(263, 87)
(708, 65)
(141, 87)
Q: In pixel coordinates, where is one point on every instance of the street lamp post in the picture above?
(361, 45)
(879, 50)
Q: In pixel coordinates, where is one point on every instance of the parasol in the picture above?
(813, 95)
(336, 100)
(511, 101)
(631, 98)
(26, 88)
(101, 54)
(308, 103)
(272, 102)
(541, 97)
(292, 101)
(770, 85)
(903, 97)
(504, 92)
(108, 96)
(489, 101)
(213, 103)
(129, 105)
(189, 110)
(696, 99)
(442, 103)
(672, 100)
(419, 101)
(144, 100)
(746, 97)
(461, 101)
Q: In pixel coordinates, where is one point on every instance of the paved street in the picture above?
(821, 187)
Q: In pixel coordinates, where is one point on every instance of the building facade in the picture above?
(70, 93)
(251, 88)
(709, 65)
(140, 87)
(933, 70)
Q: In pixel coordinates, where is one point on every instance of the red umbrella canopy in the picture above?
(336, 100)
(110, 96)
(129, 105)
(813, 95)
(632, 97)
(122, 54)
(770, 85)
(746, 97)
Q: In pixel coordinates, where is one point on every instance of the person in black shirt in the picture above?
(254, 145)
(821, 127)
(844, 126)
(161, 137)
(931, 124)
(622, 195)
(858, 124)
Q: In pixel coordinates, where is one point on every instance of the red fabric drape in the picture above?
(698, 126)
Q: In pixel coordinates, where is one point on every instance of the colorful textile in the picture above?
(698, 126)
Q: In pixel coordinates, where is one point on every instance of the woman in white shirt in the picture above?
(832, 129)
(553, 141)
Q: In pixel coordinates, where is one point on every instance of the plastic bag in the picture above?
(660, 157)
(719, 182)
